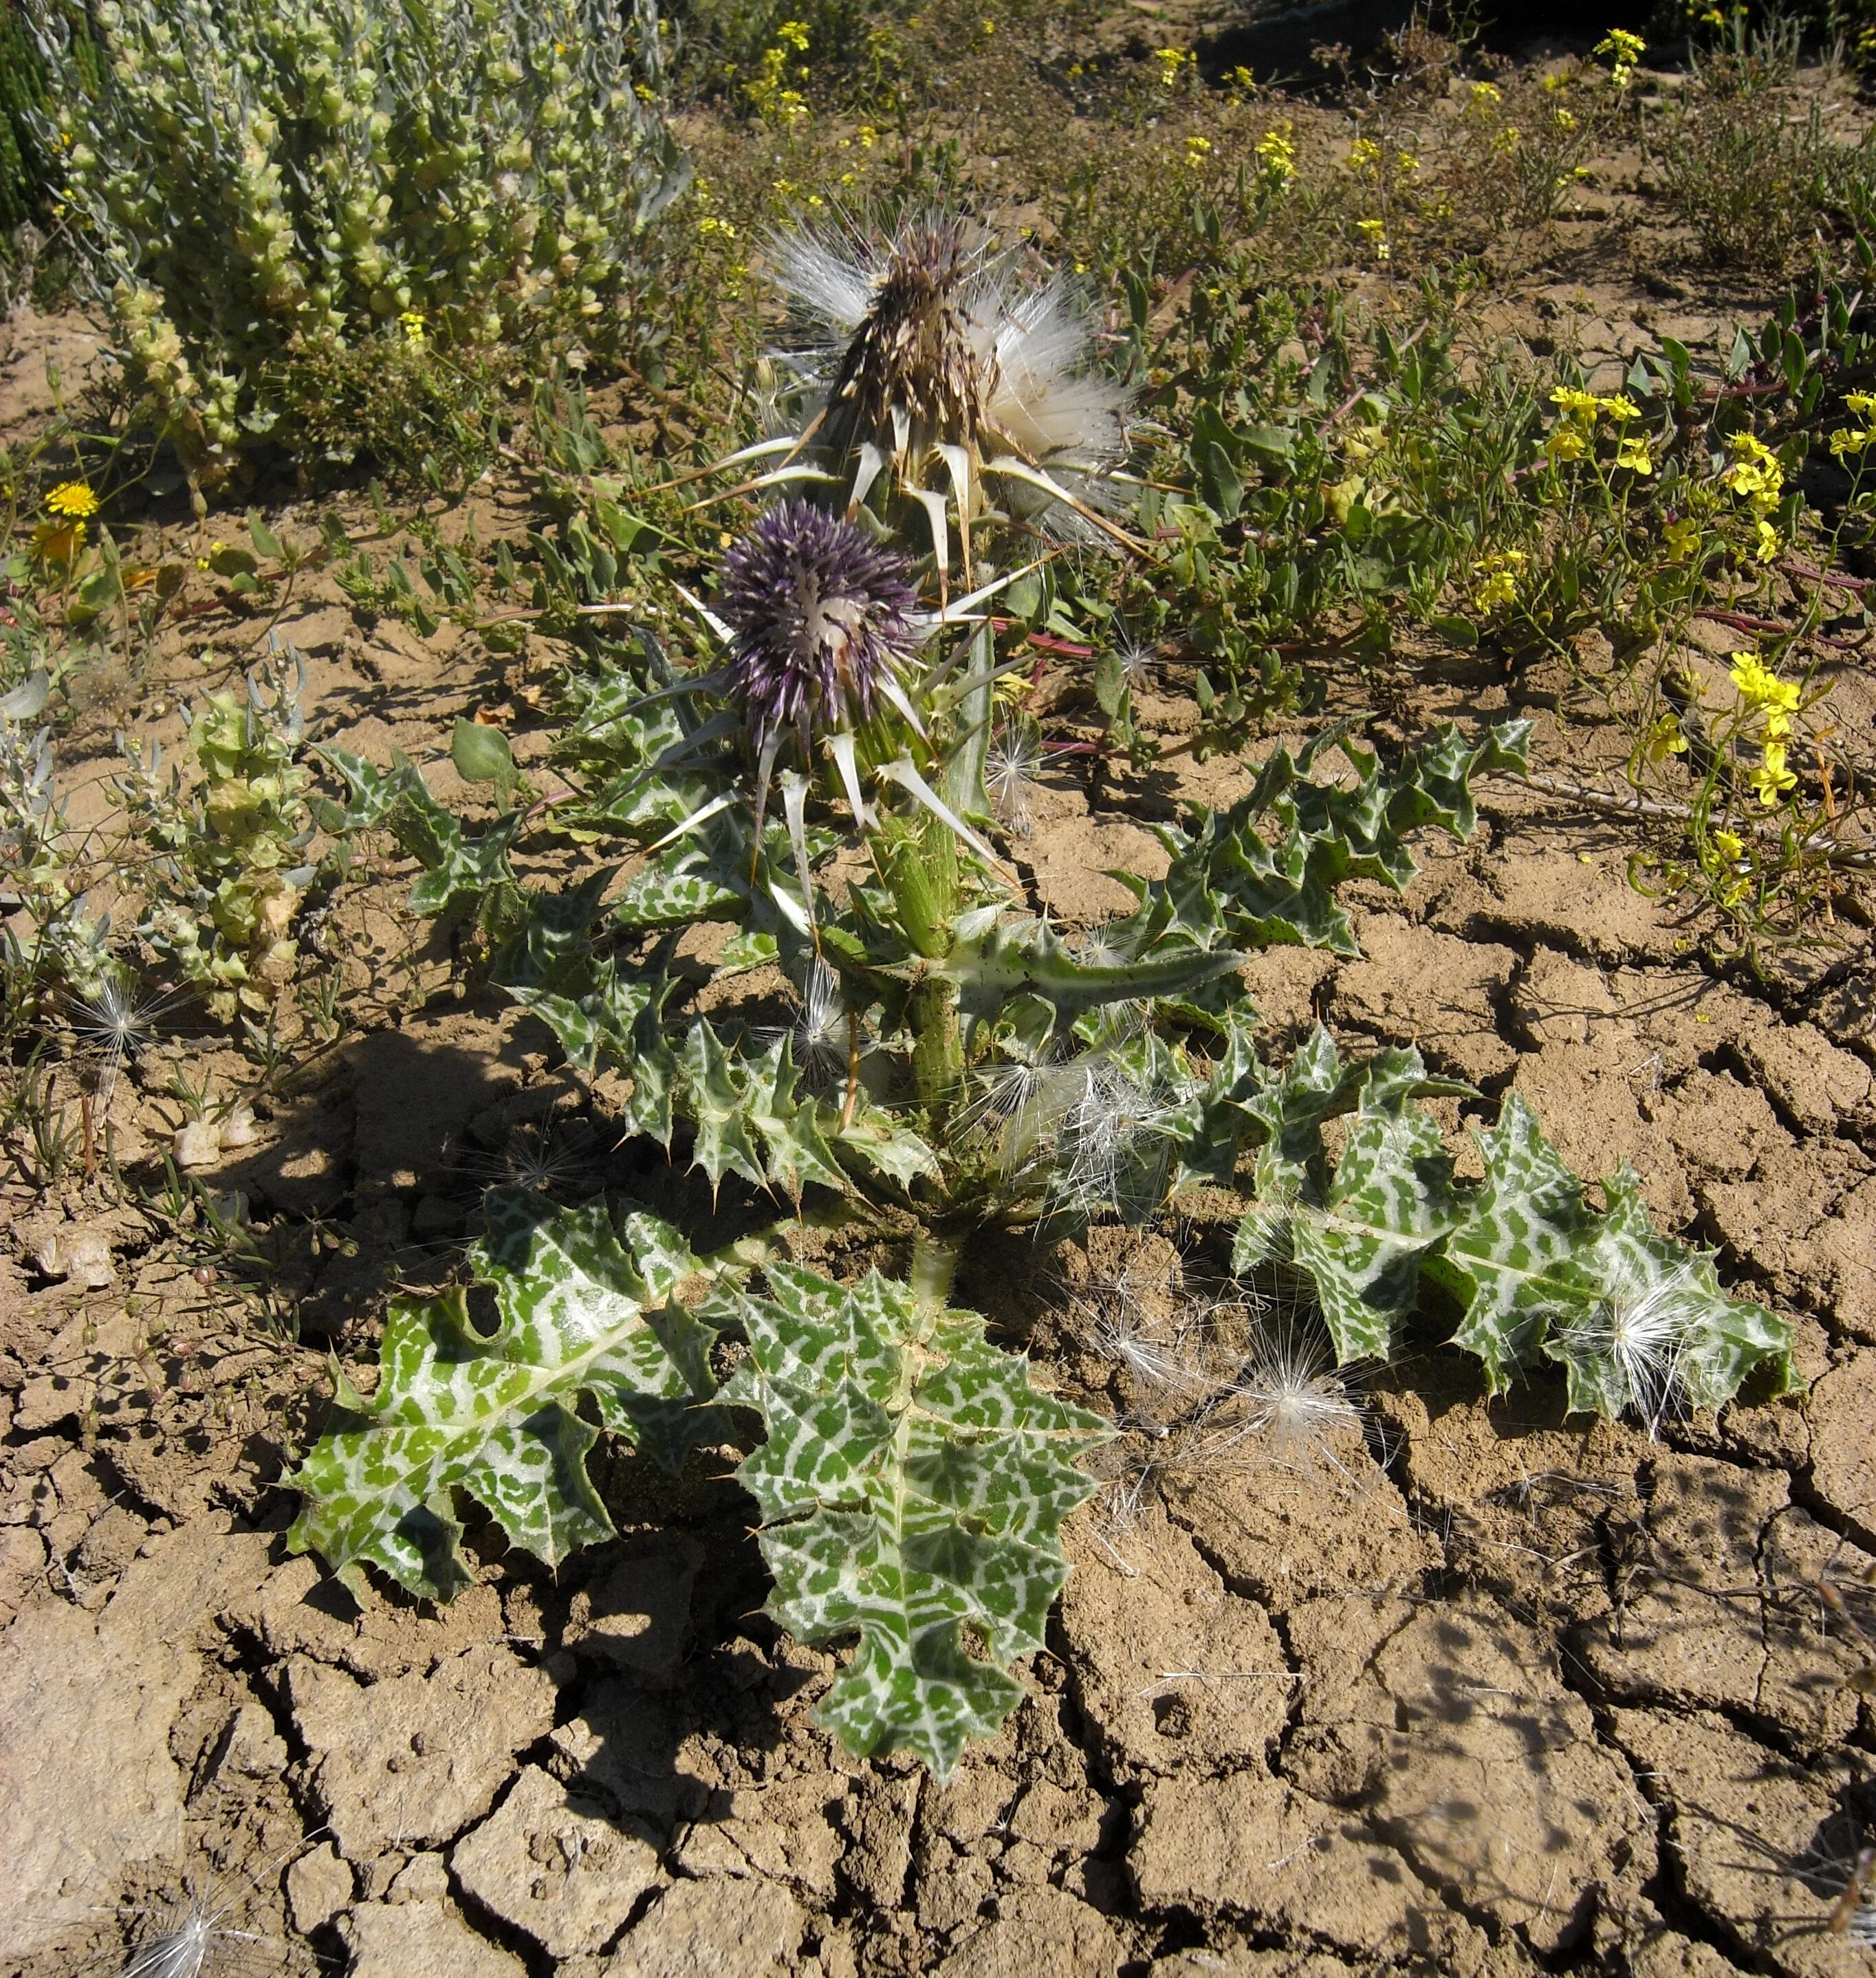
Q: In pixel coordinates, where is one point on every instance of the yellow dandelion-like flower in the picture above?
(76, 500)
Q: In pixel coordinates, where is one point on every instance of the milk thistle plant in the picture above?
(825, 789)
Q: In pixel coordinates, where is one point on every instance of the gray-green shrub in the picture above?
(252, 180)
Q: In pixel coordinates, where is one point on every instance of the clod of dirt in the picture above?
(416, 1757)
(79, 1253)
(1842, 1407)
(1762, 1844)
(1250, 1844)
(783, 1831)
(1036, 1933)
(1282, 1539)
(318, 1885)
(722, 1927)
(87, 1783)
(1175, 1672)
(1717, 1605)
(1413, 981)
(554, 1867)
(303, 1611)
(1492, 1782)
(421, 1939)
(635, 1615)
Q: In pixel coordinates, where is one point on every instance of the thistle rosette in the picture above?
(821, 619)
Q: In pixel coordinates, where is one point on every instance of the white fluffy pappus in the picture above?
(926, 341)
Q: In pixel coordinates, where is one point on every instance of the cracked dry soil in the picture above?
(1500, 1692)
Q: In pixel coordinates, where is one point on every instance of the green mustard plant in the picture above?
(832, 788)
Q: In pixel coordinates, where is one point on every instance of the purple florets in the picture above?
(819, 612)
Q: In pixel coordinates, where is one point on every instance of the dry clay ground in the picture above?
(1502, 1693)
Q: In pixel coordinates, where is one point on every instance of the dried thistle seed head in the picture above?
(819, 615)
(915, 353)
(927, 339)
(1641, 1329)
(819, 1033)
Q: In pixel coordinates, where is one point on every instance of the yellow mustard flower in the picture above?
(1362, 152)
(1633, 455)
(1861, 403)
(1569, 442)
(1771, 778)
(1762, 691)
(1728, 843)
(1276, 151)
(1755, 475)
(1848, 440)
(1682, 538)
(1665, 738)
(794, 35)
(1172, 63)
(1197, 149)
(1581, 406)
(1621, 407)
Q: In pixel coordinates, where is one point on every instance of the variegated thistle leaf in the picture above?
(1265, 872)
(1638, 1320)
(1359, 1233)
(1515, 1257)
(1661, 1333)
(912, 1489)
(583, 1307)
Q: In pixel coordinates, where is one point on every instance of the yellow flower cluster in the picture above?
(1197, 150)
(1172, 65)
(1855, 439)
(1498, 575)
(1774, 701)
(1276, 152)
(1624, 50)
(1755, 475)
(1574, 435)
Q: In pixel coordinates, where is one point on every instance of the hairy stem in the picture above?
(935, 1264)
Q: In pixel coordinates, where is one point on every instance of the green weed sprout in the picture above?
(821, 789)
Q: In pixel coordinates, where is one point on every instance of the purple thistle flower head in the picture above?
(819, 614)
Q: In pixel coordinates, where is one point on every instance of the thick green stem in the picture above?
(935, 1264)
